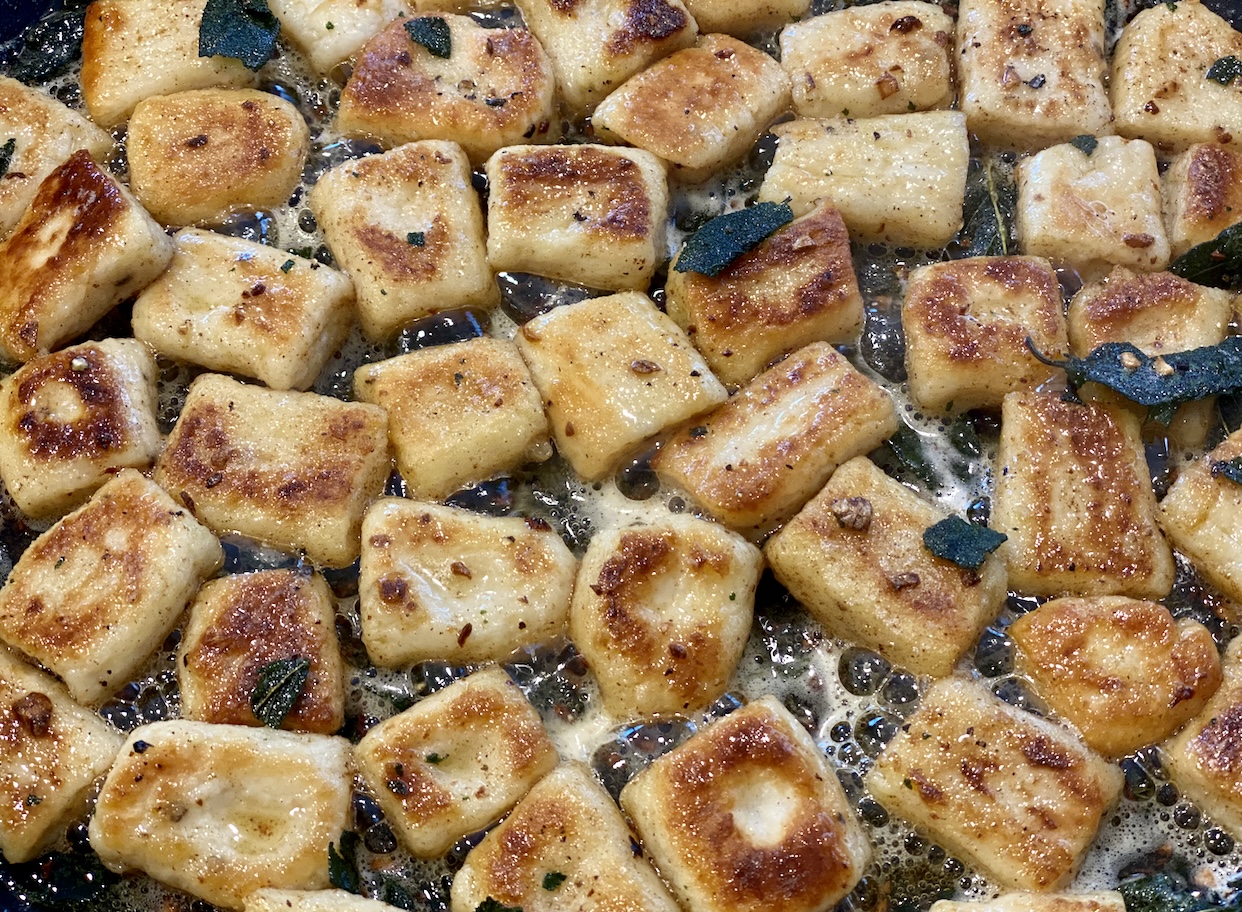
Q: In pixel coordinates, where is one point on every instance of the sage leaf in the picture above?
(992, 201)
(962, 543)
(278, 688)
(6, 155)
(493, 905)
(1225, 70)
(432, 32)
(725, 238)
(1217, 262)
(343, 864)
(1085, 143)
(1229, 468)
(245, 30)
(553, 879)
(1161, 383)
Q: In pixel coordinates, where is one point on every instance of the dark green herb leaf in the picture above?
(1230, 468)
(6, 155)
(963, 543)
(49, 46)
(907, 446)
(1161, 383)
(725, 238)
(1162, 893)
(286, 265)
(1217, 262)
(397, 894)
(1084, 143)
(343, 865)
(434, 758)
(491, 905)
(432, 32)
(553, 879)
(992, 201)
(58, 880)
(278, 688)
(245, 30)
(1225, 70)
(416, 239)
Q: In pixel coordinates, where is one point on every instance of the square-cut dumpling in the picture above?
(613, 371)
(1202, 193)
(457, 413)
(1074, 496)
(884, 58)
(295, 470)
(407, 228)
(52, 753)
(1159, 85)
(494, 89)
(1108, 901)
(699, 109)
(661, 612)
(967, 323)
(134, 49)
(44, 133)
(455, 761)
(196, 156)
(567, 825)
(329, 32)
(1122, 671)
(747, 815)
(242, 623)
(588, 214)
(442, 583)
(854, 557)
(754, 461)
(596, 45)
(1016, 795)
(222, 810)
(896, 178)
(72, 418)
(744, 18)
(1032, 72)
(796, 287)
(234, 305)
(1093, 210)
(83, 245)
(94, 595)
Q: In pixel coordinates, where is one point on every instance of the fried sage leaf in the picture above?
(1229, 468)
(432, 32)
(962, 543)
(493, 905)
(1085, 143)
(245, 30)
(991, 203)
(1217, 262)
(1225, 70)
(1161, 383)
(278, 688)
(343, 863)
(6, 155)
(725, 238)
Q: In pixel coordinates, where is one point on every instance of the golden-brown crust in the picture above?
(1075, 500)
(255, 619)
(1122, 670)
(612, 198)
(83, 206)
(1212, 178)
(831, 400)
(398, 92)
(1014, 794)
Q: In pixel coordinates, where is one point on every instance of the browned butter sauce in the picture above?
(851, 700)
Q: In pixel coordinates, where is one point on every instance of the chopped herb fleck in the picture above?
(343, 865)
(458, 377)
(60, 562)
(140, 747)
(416, 239)
(1225, 70)
(553, 879)
(286, 266)
(725, 238)
(329, 26)
(699, 430)
(245, 30)
(6, 154)
(1217, 262)
(962, 543)
(1038, 82)
(491, 905)
(278, 688)
(733, 596)
(1229, 468)
(1161, 383)
(432, 32)
(32, 800)
(434, 758)
(1084, 143)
